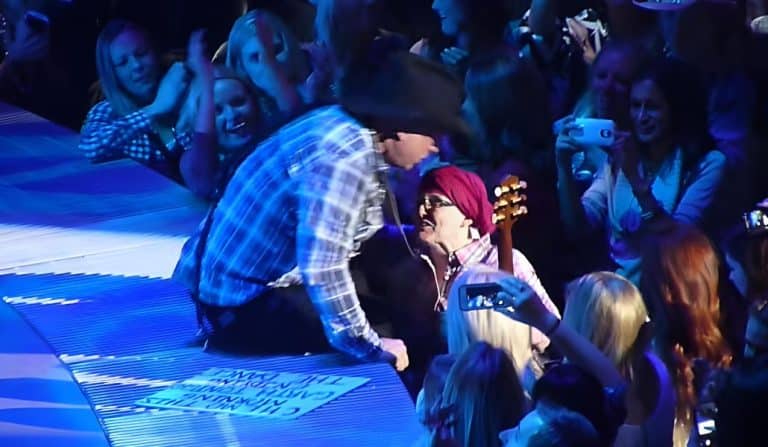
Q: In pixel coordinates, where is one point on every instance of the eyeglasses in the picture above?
(431, 202)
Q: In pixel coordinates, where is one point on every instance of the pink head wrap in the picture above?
(466, 190)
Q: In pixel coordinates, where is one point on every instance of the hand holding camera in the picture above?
(575, 134)
(586, 131)
(511, 297)
(528, 307)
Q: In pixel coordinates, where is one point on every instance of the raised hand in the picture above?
(527, 307)
(197, 55)
(265, 34)
(172, 89)
(624, 154)
(321, 77)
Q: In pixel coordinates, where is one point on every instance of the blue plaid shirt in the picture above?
(294, 212)
(105, 136)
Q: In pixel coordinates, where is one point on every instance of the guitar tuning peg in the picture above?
(517, 198)
(500, 190)
(496, 218)
(521, 211)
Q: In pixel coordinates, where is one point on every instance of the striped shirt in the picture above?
(295, 212)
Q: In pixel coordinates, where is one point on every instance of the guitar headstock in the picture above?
(510, 202)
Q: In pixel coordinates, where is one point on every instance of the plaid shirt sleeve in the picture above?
(330, 200)
(106, 137)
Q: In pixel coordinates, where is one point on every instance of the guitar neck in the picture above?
(504, 249)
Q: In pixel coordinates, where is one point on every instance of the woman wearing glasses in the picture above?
(453, 232)
(455, 221)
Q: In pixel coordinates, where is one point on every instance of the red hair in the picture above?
(680, 286)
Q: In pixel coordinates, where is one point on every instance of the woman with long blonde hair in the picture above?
(608, 310)
(263, 50)
(680, 278)
(462, 328)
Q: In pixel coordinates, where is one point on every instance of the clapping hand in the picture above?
(171, 91)
(624, 155)
(197, 58)
(321, 77)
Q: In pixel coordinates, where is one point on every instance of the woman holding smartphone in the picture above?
(663, 171)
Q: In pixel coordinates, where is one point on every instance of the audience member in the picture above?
(740, 402)
(511, 120)
(344, 32)
(680, 285)
(429, 399)
(264, 51)
(138, 117)
(482, 397)
(41, 60)
(607, 97)
(222, 110)
(568, 390)
(663, 171)
(609, 311)
(468, 29)
(522, 343)
(551, 426)
(747, 258)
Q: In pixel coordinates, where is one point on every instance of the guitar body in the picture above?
(507, 209)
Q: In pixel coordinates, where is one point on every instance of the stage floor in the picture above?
(90, 322)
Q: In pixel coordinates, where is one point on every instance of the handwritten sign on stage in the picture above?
(253, 393)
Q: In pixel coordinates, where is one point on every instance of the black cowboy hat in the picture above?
(403, 92)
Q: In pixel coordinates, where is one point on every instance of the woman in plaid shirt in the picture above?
(137, 119)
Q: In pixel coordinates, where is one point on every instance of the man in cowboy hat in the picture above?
(270, 265)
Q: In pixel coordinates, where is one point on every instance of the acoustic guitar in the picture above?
(507, 209)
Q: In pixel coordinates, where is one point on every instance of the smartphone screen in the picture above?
(482, 296)
(705, 428)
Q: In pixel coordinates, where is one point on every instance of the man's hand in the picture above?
(396, 348)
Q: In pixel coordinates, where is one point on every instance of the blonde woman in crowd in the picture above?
(462, 328)
(139, 116)
(263, 50)
(609, 311)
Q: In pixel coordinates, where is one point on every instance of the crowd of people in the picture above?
(351, 163)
